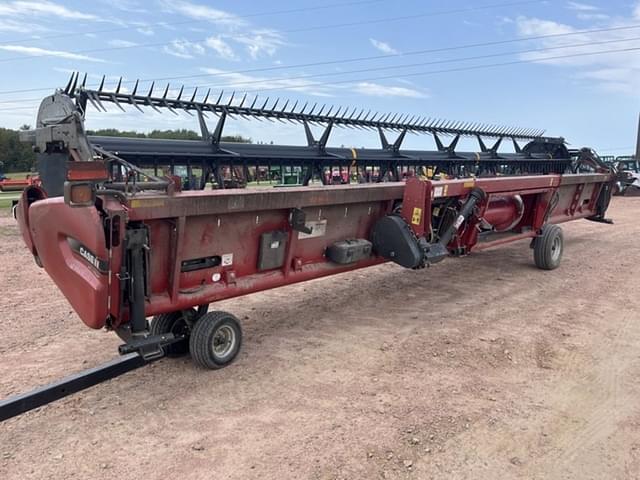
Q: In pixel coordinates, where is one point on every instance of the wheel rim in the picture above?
(556, 249)
(223, 342)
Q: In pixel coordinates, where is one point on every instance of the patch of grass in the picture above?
(7, 198)
(17, 175)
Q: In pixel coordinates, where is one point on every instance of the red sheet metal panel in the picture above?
(223, 231)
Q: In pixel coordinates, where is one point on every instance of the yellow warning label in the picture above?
(469, 184)
(147, 203)
(416, 218)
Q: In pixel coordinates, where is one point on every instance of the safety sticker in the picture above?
(318, 229)
(227, 259)
(416, 217)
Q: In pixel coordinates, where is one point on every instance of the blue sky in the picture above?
(590, 99)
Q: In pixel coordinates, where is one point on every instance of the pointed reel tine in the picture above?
(151, 89)
(75, 83)
(166, 91)
(95, 105)
(219, 97)
(96, 97)
(93, 97)
(133, 102)
(206, 97)
(67, 89)
(114, 99)
(101, 86)
(193, 97)
(244, 98)
(231, 98)
(119, 86)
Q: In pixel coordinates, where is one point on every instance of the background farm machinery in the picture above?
(114, 228)
(627, 170)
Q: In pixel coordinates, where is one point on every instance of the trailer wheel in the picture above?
(177, 323)
(547, 248)
(215, 340)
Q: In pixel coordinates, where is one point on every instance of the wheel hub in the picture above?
(223, 341)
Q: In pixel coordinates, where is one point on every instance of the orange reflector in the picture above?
(81, 194)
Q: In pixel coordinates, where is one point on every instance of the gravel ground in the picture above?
(480, 367)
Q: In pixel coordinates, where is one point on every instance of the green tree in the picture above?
(15, 155)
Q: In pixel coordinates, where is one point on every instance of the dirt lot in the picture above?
(481, 367)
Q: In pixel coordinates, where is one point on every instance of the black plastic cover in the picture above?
(349, 251)
(393, 239)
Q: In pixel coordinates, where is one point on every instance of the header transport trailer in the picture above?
(124, 245)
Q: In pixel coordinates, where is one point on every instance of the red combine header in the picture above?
(124, 246)
(18, 184)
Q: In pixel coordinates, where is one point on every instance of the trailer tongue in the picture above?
(124, 245)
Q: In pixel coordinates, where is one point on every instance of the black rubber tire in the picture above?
(207, 331)
(548, 247)
(176, 323)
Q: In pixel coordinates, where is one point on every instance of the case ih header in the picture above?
(124, 245)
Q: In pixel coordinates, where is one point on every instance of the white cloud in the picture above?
(204, 12)
(184, 49)
(222, 48)
(145, 31)
(9, 25)
(42, 8)
(592, 16)
(581, 7)
(262, 42)
(35, 51)
(125, 5)
(623, 67)
(258, 42)
(117, 43)
(265, 87)
(242, 82)
(378, 90)
(587, 12)
(383, 47)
